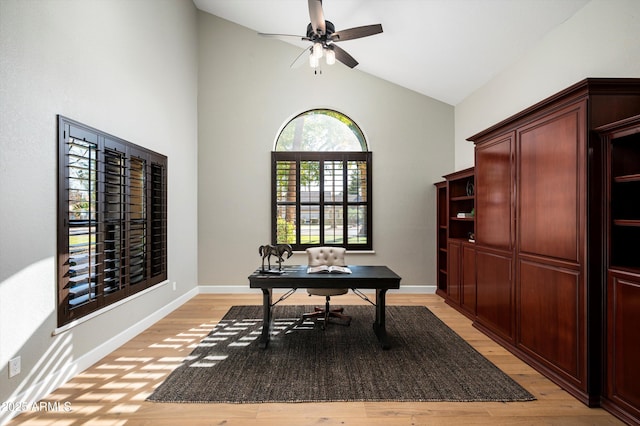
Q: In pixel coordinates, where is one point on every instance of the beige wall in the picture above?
(600, 40)
(128, 68)
(247, 92)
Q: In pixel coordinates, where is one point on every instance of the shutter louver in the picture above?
(81, 158)
(286, 202)
(357, 189)
(137, 221)
(158, 233)
(114, 200)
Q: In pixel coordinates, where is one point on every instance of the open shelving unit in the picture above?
(461, 201)
(455, 233)
(621, 395)
(624, 195)
(441, 237)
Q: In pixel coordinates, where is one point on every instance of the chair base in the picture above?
(327, 314)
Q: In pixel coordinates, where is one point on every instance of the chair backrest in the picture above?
(326, 256)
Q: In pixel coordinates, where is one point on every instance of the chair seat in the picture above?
(327, 291)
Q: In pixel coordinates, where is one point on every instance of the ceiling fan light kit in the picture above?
(318, 51)
(322, 34)
(330, 56)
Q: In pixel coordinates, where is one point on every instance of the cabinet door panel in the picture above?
(549, 316)
(468, 284)
(623, 374)
(494, 294)
(454, 257)
(551, 185)
(494, 184)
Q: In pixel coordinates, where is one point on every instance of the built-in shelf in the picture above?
(627, 178)
(626, 222)
(621, 394)
(456, 195)
(462, 198)
(441, 237)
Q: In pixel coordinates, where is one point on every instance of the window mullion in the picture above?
(345, 201)
(298, 204)
(321, 200)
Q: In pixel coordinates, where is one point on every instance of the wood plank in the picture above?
(113, 391)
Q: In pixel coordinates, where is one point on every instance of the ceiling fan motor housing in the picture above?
(329, 29)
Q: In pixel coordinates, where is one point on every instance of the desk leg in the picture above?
(379, 325)
(266, 317)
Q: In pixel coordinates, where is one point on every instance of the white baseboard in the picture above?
(37, 391)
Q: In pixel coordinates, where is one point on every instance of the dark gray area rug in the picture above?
(427, 362)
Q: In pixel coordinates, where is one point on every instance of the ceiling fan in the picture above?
(323, 36)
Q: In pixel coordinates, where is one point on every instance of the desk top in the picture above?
(296, 276)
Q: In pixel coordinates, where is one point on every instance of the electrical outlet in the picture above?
(174, 286)
(14, 366)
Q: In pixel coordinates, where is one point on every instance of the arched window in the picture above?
(321, 183)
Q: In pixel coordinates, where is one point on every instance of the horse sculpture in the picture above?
(278, 250)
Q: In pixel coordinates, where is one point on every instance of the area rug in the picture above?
(427, 361)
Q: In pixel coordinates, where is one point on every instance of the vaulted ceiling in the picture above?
(445, 49)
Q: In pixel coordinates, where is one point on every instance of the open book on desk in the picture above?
(324, 269)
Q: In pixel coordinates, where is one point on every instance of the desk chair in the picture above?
(329, 256)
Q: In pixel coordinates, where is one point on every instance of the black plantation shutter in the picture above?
(79, 153)
(114, 197)
(112, 219)
(158, 220)
(137, 220)
(322, 198)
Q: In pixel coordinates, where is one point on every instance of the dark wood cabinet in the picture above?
(456, 231)
(621, 393)
(494, 194)
(441, 238)
(495, 293)
(468, 279)
(540, 232)
(495, 236)
(454, 271)
(551, 258)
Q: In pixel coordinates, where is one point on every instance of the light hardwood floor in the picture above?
(113, 391)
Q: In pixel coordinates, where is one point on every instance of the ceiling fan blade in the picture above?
(357, 32)
(283, 35)
(296, 63)
(317, 17)
(344, 57)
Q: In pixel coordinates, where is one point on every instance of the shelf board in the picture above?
(625, 269)
(462, 219)
(460, 239)
(627, 178)
(626, 222)
(462, 198)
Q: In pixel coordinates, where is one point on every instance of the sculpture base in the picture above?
(271, 272)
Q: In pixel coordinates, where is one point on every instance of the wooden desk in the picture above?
(293, 277)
